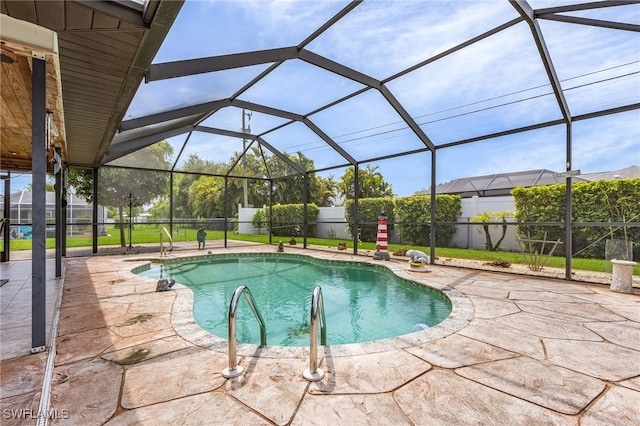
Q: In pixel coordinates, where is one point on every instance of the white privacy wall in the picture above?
(332, 218)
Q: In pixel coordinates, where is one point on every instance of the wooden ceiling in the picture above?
(15, 79)
(105, 49)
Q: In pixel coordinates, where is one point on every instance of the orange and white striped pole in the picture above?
(382, 252)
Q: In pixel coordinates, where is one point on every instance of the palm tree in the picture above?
(371, 183)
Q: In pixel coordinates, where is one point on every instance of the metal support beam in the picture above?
(341, 14)
(94, 228)
(38, 204)
(196, 112)
(590, 22)
(605, 112)
(171, 203)
(503, 133)
(270, 211)
(336, 68)
(237, 160)
(59, 225)
(568, 221)
(406, 117)
(585, 6)
(257, 79)
(224, 132)
(280, 155)
(225, 209)
(329, 141)
(65, 192)
(454, 49)
(432, 224)
(305, 213)
(266, 110)
(355, 217)
(526, 11)
(125, 148)
(188, 67)
(6, 248)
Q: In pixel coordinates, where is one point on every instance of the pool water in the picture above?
(362, 302)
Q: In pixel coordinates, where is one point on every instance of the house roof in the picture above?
(624, 173)
(503, 183)
(24, 198)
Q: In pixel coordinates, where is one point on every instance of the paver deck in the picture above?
(517, 350)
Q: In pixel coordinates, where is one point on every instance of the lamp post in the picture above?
(131, 199)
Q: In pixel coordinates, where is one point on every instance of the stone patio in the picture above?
(516, 350)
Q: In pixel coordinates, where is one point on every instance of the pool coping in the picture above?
(183, 322)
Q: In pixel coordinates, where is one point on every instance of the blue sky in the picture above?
(496, 84)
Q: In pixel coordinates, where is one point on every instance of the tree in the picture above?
(492, 217)
(326, 191)
(205, 196)
(82, 181)
(371, 183)
(259, 220)
(115, 184)
(48, 186)
(182, 201)
(160, 209)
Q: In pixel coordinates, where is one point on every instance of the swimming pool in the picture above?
(362, 302)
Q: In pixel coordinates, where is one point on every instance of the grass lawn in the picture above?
(145, 234)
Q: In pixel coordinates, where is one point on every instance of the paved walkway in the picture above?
(517, 350)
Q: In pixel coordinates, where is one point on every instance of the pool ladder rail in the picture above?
(313, 373)
(234, 370)
(163, 251)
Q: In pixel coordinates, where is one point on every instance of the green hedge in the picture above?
(416, 210)
(599, 201)
(288, 219)
(368, 211)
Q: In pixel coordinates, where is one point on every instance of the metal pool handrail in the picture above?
(162, 250)
(313, 373)
(234, 370)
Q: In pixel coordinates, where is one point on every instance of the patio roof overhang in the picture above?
(97, 56)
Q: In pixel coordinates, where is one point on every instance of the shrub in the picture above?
(415, 214)
(368, 211)
(599, 201)
(259, 220)
(288, 219)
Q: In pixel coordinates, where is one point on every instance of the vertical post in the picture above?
(305, 218)
(270, 211)
(171, 203)
(226, 209)
(568, 221)
(94, 227)
(38, 205)
(58, 212)
(63, 219)
(7, 217)
(131, 198)
(432, 225)
(356, 222)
